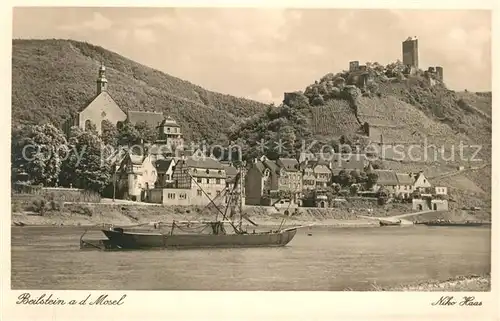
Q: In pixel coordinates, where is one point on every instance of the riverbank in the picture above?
(351, 214)
(474, 283)
(66, 219)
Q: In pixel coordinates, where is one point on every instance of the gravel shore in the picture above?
(470, 283)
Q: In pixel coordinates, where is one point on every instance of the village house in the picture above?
(428, 204)
(165, 170)
(405, 185)
(337, 161)
(322, 174)
(308, 176)
(270, 178)
(196, 181)
(386, 179)
(258, 181)
(135, 176)
(290, 176)
(397, 184)
(315, 174)
(440, 190)
(421, 183)
(170, 134)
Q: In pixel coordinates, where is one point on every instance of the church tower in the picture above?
(102, 82)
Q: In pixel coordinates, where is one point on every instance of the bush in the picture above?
(16, 207)
(83, 210)
(56, 205)
(39, 205)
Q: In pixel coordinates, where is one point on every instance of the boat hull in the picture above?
(135, 240)
(473, 224)
(387, 223)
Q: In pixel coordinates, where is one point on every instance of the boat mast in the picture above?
(241, 195)
(211, 201)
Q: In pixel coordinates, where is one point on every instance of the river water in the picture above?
(331, 259)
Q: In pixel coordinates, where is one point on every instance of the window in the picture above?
(182, 196)
(171, 196)
(168, 129)
(198, 192)
(207, 171)
(167, 177)
(88, 124)
(217, 181)
(198, 180)
(208, 180)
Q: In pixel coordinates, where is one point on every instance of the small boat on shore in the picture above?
(390, 223)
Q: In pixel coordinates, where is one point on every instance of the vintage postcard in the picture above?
(247, 162)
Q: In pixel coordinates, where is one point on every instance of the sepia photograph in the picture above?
(251, 149)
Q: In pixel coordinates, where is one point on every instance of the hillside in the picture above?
(411, 112)
(53, 78)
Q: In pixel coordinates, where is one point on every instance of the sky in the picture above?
(262, 53)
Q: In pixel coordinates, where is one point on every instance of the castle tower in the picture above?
(410, 52)
(353, 65)
(102, 82)
(439, 71)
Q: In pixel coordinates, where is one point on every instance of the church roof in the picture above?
(91, 100)
(151, 118)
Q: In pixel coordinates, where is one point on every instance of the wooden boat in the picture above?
(216, 237)
(199, 234)
(389, 223)
(449, 223)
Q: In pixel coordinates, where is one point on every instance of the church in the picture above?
(103, 107)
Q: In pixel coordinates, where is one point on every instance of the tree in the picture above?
(354, 189)
(146, 132)
(344, 178)
(39, 150)
(371, 180)
(382, 195)
(377, 165)
(287, 138)
(355, 176)
(363, 178)
(128, 135)
(85, 167)
(109, 133)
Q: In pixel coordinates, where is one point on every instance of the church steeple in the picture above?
(102, 82)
